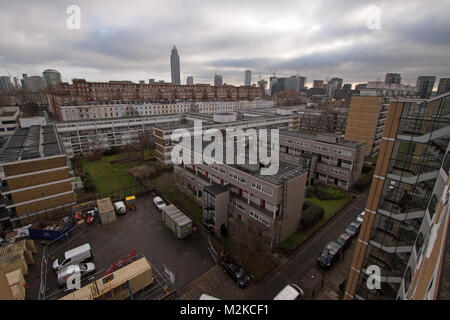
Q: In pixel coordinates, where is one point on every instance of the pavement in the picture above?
(142, 230)
(217, 283)
(302, 268)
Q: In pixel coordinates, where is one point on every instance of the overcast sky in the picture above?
(132, 40)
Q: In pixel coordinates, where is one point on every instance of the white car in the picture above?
(290, 292)
(360, 217)
(159, 203)
(83, 269)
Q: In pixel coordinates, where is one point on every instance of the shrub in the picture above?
(311, 215)
(366, 169)
(111, 151)
(330, 194)
(306, 205)
(363, 182)
(311, 191)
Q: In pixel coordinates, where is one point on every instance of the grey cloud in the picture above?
(132, 40)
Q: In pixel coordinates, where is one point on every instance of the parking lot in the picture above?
(142, 230)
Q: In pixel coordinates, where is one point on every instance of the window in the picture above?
(239, 178)
(432, 206)
(260, 218)
(407, 279)
(419, 244)
(446, 163)
(262, 188)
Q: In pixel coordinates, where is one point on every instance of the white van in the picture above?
(205, 296)
(74, 256)
(290, 292)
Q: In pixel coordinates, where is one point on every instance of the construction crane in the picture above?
(302, 67)
(273, 72)
(328, 78)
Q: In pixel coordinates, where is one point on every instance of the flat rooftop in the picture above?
(31, 143)
(309, 136)
(286, 171)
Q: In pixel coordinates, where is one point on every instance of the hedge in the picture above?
(325, 193)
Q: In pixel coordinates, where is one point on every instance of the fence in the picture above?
(66, 210)
(49, 252)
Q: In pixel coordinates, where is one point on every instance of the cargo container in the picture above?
(14, 261)
(106, 211)
(120, 207)
(116, 286)
(51, 230)
(177, 221)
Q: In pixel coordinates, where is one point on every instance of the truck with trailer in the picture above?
(176, 221)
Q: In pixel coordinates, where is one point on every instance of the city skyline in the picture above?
(339, 44)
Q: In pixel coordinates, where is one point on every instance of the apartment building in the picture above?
(82, 136)
(34, 173)
(366, 121)
(330, 159)
(264, 209)
(9, 118)
(129, 91)
(119, 109)
(163, 131)
(407, 213)
(381, 88)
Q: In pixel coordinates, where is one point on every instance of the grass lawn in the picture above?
(330, 207)
(165, 184)
(109, 177)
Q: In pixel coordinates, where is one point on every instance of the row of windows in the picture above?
(237, 205)
(237, 177)
(260, 218)
(262, 188)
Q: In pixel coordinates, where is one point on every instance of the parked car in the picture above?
(159, 203)
(329, 254)
(74, 256)
(290, 292)
(353, 228)
(360, 217)
(84, 269)
(236, 272)
(344, 240)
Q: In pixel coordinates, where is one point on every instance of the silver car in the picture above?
(84, 269)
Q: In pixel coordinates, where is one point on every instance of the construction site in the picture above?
(133, 256)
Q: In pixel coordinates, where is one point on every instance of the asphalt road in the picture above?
(305, 259)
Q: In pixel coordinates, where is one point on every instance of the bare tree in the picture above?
(142, 142)
(96, 147)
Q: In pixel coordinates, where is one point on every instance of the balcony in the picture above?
(244, 201)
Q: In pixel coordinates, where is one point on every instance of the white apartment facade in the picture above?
(117, 109)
